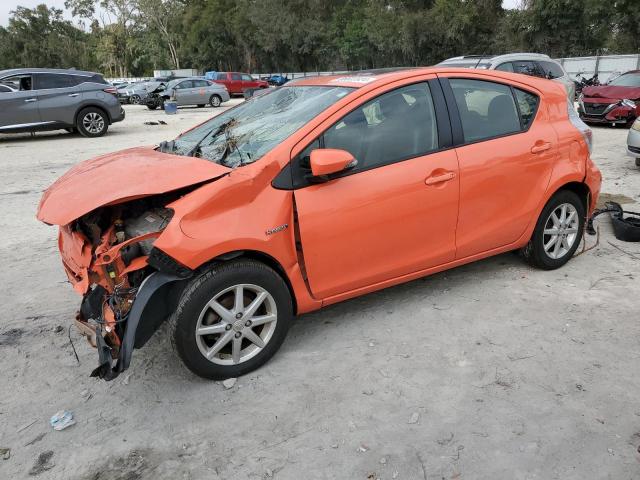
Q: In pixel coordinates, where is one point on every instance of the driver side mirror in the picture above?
(328, 161)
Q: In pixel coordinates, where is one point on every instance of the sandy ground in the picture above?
(489, 371)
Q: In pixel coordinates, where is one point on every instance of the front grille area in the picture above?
(595, 108)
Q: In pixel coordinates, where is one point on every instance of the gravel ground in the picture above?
(489, 371)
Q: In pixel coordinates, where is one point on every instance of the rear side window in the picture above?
(236, 76)
(528, 106)
(395, 126)
(221, 76)
(552, 70)
(487, 109)
(505, 67)
(247, 78)
(5, 89)
(54, 80)
(528, 68)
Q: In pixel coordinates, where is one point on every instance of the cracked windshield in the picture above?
(244, 134)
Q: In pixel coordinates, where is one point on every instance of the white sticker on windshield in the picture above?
(359, 79)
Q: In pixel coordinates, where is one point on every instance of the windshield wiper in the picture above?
(223, 127)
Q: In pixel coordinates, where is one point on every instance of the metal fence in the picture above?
(606, 66)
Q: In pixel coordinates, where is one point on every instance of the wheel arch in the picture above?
(263, 258)
(579, 188)
(91, 105)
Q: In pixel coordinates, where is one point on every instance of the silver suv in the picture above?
(50, 99)
(534, 64)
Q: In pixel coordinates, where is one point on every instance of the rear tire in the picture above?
(239, 339)
(92, 122)
(152, 107)
(638, 162)
(215, 101)
(134, 99)
(557, 233)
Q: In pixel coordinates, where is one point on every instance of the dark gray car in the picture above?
(51, 99)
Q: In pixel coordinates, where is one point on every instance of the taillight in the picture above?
(582, 127)
(111, 90)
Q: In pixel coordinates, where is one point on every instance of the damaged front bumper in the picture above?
(124, 299)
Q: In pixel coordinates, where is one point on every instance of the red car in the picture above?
(617, 102)
(238, 83)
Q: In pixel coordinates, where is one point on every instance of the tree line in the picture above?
(133, 37)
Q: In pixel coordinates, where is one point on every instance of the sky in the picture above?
(7, 5)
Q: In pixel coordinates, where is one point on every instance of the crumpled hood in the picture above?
(117, 177)
(610, 91)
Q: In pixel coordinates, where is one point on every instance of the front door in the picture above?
(506, 158)
(20, 107)
(396, 212)
(183, 93)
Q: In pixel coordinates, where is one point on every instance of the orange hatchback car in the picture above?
(316, 192)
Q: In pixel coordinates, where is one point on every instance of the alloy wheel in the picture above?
(93, 122)
(560, 231)
(236, 324)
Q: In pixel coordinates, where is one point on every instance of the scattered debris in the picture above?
(414, 418)
(445, 441)
(383, 461)
(62, 420)
(24, 427)
(362, 448)
(514, 358)
(229, 383)
(580, 387)
(372, 476)
(371, 344)
(268, 473)
(11, 337)
(58, 329)
(5, 453)
(367, 392)
(334, 445)
(35, 440)
(395, 474)
(42, 464)
(610, 450)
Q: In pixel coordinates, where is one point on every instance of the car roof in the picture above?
(366, 78)
(68, 71)
(497, 58)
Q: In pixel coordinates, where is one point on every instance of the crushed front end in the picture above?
(109, 258)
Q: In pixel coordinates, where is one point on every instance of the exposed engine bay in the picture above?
(105, 255)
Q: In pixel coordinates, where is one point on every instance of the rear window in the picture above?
(487, 109)
(55, 80)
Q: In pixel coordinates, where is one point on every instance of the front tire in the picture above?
(135, 99)
(92, 122)
(558, 232)
(231, 319)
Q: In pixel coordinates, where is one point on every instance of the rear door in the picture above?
(235, 83)
(58, 97)
(506, 149)
(19, 108)
(200, 92)
(396, 212)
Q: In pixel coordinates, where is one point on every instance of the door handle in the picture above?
(445, 177)
(29, 100)
(540, 147)
(73, 94)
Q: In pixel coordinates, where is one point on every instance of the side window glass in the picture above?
(18, 82)
(395, 126)
(52, 80)
(184, 85)
(528, 106)
(235, 76)
(505, 67)
(247, 78)
(528, 68)
(552, 70)
(487, 109)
